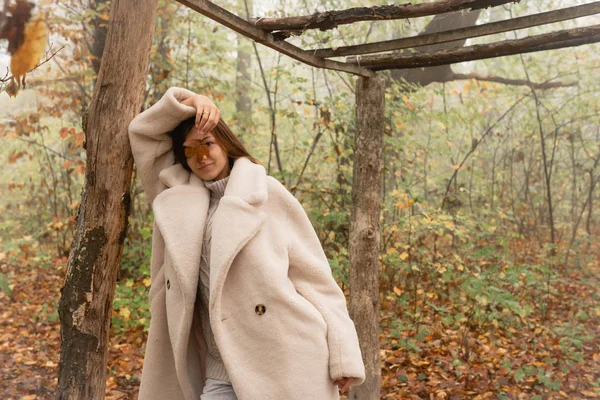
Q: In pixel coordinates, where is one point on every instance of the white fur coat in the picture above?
(278, 316)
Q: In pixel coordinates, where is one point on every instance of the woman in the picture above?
(243, 302)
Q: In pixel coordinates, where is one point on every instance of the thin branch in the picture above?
(44, 147)
(508, 81)
(316, 138)
(474, 146)
(274, 142)
(8, 78)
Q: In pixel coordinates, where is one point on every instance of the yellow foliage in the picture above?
(125, 313)
(410, 105)
(28, 55)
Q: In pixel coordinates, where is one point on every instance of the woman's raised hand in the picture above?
(207, 113)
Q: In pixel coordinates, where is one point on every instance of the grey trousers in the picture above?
(215, 389)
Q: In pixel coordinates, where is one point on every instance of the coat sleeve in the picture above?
(150, 141)
(310, 272)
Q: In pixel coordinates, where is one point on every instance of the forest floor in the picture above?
(527, 363)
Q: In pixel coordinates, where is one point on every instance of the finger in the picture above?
(199, 113)
(346, 386)
(213, 121)
(209, 116)
(204, 120)
(217, 116)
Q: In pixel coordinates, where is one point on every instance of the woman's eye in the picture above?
(208, 143)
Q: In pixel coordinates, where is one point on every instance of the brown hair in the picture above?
(223, 135)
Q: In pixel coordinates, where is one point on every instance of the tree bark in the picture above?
(86, 302)
(364, 230)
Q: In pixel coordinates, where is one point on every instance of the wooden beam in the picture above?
(464, 33)
(331, 19)
(548, 41)
(243, 27)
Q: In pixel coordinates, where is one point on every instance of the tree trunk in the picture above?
(243, 102)
(364, 230)
(86, 302)
(588, 223)
(161, 64)
(364, 238)
(99, 26)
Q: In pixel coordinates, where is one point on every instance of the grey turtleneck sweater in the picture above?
(215, 368)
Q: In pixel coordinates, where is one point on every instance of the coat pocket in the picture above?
(304, 306)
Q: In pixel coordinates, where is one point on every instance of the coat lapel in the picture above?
(235, 222)
(180, 213)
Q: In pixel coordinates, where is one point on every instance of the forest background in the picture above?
(490, 257)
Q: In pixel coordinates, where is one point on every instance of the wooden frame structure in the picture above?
(364, 60)
(272, 33)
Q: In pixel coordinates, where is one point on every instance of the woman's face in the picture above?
(213, 167)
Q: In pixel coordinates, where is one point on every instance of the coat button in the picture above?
(168, 284)
(260, 309)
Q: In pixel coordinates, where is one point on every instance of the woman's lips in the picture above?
(204, 166)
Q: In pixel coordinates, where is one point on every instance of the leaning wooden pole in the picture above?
(364, 230)
(86, 302)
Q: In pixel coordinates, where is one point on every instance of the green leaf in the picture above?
(519, 375)
(4, 285)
